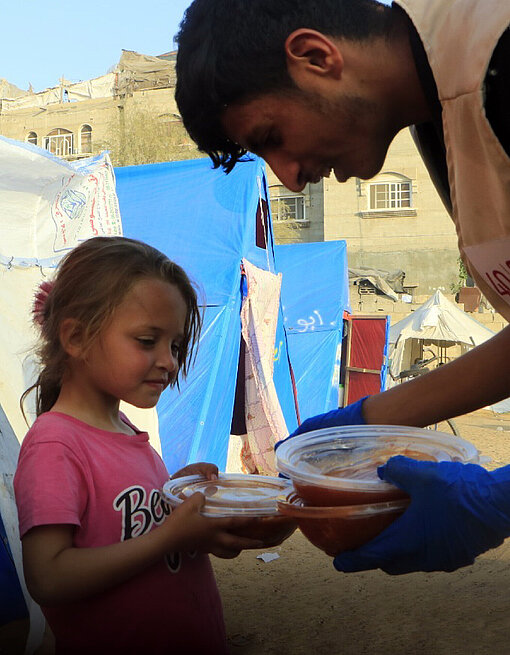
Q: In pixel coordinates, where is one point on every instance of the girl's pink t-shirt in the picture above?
(108, 485)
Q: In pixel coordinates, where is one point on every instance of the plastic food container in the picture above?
(240, 496)
(339, 528)
(338, 466)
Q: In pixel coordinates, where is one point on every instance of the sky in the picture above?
(45, 39)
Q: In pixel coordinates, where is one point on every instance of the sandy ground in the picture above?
(298, 604)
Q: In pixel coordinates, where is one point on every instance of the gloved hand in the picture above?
(349, 415)
(457, 511)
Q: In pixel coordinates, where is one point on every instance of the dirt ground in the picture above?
(298, 604)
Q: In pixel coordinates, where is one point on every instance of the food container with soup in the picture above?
(246, 496)
(338, 466)
(342, 527)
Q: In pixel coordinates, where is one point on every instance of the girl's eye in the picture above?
(176, 349)
(147, 342)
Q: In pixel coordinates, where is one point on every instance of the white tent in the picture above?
(438, 323)
(9, 450)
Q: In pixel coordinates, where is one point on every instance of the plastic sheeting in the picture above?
(48, 206)
(315, 295)
(52, 204)
(207, 222)
(438, 320)
(98, 87)
(444, 323)
(134, 71)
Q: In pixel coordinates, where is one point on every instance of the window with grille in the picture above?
(60, 142)
(288, 208)
(390, 195)
(32, 138)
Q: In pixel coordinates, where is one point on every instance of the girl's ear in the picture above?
(310, 54)
(71, 337)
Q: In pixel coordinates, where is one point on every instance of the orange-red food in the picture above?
(335, 529)
(272, 530)
(327, 496)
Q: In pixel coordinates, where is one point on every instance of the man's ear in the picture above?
(71, 337)
(311, 53)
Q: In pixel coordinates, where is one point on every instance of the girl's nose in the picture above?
(167, 359)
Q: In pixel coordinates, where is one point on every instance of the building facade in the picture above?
(394, 221)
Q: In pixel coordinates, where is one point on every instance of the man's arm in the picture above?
(479, 378)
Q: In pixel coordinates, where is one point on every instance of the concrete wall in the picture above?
(102, 114)
(421, 241)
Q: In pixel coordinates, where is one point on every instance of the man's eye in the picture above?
(272, 140)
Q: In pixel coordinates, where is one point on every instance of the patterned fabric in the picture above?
(265, 423)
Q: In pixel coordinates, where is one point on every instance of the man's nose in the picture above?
(287, 171)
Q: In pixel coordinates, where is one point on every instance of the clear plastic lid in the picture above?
(347, 457)
(231, 494)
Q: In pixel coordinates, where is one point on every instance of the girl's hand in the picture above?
(189, 530)
(209, 471)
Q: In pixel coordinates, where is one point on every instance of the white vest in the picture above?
(459, 37)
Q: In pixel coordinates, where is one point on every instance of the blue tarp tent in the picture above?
(207, 222)
(315, 295)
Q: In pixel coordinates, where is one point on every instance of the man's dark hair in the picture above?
(231, 51)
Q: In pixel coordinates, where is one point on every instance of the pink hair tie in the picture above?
(40, 299)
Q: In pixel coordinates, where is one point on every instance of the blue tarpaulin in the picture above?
(208, 222)
(315, 294)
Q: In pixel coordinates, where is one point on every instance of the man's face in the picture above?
(304, 138)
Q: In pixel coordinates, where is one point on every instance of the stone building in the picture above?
(80, 119)
(394, 221)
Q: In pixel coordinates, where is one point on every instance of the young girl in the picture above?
(113, 570)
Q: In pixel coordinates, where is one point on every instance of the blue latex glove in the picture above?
(457, 511)
(350, 415)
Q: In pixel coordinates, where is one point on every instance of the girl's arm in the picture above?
(57, 572)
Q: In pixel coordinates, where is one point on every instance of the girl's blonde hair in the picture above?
(91, 281)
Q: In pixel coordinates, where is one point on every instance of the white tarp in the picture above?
(47, 206)
(9, 450)
(98, 87)
(442, 322)
(133, 71)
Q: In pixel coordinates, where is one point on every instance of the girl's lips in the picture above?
(156, 384)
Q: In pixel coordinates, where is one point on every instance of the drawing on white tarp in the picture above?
(53, 204)
(85, 207)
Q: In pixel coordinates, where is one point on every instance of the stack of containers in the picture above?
(338, 500)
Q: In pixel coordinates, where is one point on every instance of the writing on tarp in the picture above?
(84, 207)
